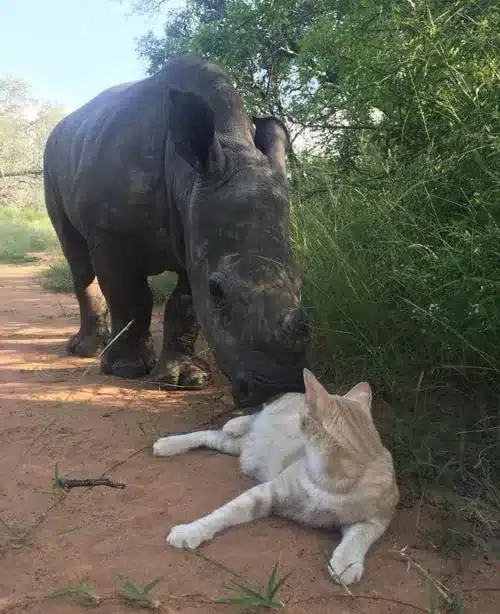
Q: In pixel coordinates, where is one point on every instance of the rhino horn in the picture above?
(273, 140)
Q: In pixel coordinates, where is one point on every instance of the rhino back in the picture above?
(107, 159)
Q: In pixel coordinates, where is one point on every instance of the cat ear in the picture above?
(316, 395)
(362, 393)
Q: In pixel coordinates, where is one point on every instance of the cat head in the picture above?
(343, 422)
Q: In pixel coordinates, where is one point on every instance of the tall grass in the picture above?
(410, 300)
(26, 232)
(23, 232)
(398, 234)
(395, 290)
(57, 278)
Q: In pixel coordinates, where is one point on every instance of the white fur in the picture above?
(292, 483)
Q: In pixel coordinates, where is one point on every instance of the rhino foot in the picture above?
(181, 371)
(86, 346)
(130, 362)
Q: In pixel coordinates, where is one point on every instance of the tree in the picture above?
(24, 126)
(428, 68)
(257, 43)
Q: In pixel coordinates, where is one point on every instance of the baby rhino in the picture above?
(319, 460)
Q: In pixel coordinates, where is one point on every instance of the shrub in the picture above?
(23, 232)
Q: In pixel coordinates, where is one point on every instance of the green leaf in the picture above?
(245, 590)
(272, 579)
(280, 583)
(61, 592)
(149, 587)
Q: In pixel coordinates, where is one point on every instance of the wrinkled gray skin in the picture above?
(168, 173)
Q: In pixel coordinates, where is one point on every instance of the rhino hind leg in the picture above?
(177, 365)
(117, 262)
(93, 333)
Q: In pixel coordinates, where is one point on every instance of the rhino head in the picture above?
(244, 282)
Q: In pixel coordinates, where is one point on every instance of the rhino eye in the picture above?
(216, 292)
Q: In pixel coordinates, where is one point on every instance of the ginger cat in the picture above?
(319, 460)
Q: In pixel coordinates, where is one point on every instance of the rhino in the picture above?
(168, 173)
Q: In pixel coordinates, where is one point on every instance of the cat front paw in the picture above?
(170, 446)
(344, 570)
(236, 427)
(187, 536)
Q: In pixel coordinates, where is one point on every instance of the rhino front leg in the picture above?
(177, 365)
(118, 265)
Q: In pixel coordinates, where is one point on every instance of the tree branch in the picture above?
(23, 173)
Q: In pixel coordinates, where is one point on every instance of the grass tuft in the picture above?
(83, 594)
(57, 277)
(139, 597)
(263, 597)
(56, 478)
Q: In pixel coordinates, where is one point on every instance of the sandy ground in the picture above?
(60, 409)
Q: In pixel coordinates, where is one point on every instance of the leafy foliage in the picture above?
(394, 110)
(23, 232)
(420, 183)
(24, 126)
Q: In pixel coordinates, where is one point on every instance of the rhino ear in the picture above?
(273, 140)
(192, 128)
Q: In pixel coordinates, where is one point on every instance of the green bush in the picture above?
(23, 232)
(397, 290)
(407, 296)
(57, 278)
(161, 286)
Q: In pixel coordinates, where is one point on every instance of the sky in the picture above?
(70, 50)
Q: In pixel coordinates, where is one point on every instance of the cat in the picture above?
(319, 460)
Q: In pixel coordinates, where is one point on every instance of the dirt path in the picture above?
(51, 412)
